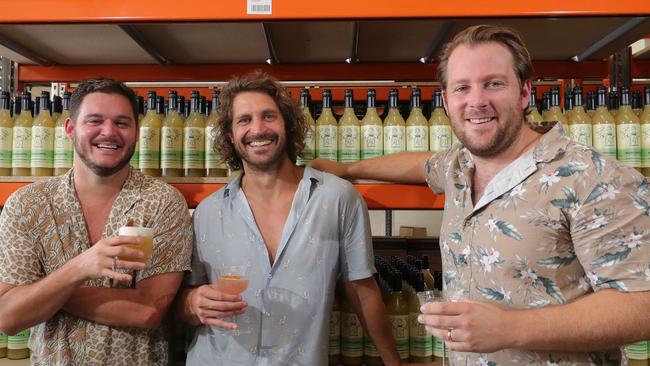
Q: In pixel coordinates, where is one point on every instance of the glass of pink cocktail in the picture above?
(233, 280)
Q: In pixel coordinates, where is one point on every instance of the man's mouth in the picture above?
(258, 143)
(479, 121)
(106, 146)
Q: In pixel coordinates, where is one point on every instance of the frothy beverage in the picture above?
(145, 245)
(232, 284)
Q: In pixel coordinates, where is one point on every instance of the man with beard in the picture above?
(60, 270)
(544, 241)
(293, 228)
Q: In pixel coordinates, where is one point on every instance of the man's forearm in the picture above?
(599, 321)
(143, 307)
(399, 168)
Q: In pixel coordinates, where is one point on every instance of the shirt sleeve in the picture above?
(19, 262)
(197, 275)
(435, 172)
(357, 258)
(173, 239)
(611, 230)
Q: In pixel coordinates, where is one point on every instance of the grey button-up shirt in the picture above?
(287, 318)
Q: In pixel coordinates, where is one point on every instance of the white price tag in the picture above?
(259, 6)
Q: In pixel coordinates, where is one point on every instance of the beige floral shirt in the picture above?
(560, 222)
(43, 227)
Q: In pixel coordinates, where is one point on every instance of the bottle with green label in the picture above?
(628, 132)
(372, 136)
(334, 343)
(135, 158)
(214, 166)
(533, 117)
(580, 127)
(420, 342)
(398, 314)
(554, 113)
(327, 130)
(440, 134)
(417, 126)
(3, 345)
(591, 104)
(63, 149)
(17, 348)
(349, 132)
(42, 158)
(637, 354)
(394, 126)
(644, 119)
(351, 335)
(194, 139)
(6, 140)
(21, 158)
(171, 140)
(150, 138)
(604, 126)
(371, 356)
(637, 106)
(309, 152)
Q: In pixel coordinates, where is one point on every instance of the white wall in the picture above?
(430, 219)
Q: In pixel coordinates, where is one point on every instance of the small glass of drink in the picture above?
(145, 245)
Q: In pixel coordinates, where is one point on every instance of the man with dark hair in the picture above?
(545, 242)
(294, 228)
(61, 271)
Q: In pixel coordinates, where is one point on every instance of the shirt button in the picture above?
(270, 276)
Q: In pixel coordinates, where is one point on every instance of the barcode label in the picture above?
(259, 6)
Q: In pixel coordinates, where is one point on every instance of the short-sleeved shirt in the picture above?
(287, 318)
(558, 223)
(43, 227)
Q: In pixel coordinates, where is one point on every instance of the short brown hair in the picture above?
(258, 81)
(485, 33)
(101, 85)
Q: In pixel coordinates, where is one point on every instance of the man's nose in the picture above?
(477, 98)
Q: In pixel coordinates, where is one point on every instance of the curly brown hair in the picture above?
(259, 81)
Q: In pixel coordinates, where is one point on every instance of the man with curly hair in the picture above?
(295, 228)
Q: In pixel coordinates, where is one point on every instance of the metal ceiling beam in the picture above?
(355, 44)
(436, 42)
(273, 57)
(609, 38)
(133, 32)
(25, 52)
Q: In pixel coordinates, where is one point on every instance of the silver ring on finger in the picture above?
(449, 338)
(114, 263)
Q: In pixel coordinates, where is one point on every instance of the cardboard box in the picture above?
(412, 231)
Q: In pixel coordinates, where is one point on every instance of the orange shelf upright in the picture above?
(129, 11)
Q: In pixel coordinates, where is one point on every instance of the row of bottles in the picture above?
(350, 139)
(399, 282)
(15, 347)
(608, 123)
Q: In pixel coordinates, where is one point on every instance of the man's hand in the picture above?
(210, 305)
(100, 260)
(472, 326)
(329, 166)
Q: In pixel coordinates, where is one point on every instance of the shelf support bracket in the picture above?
(25, 52)
(133, 32)
(273, 57)
(353, 59)
(436, 42)
(610, 37)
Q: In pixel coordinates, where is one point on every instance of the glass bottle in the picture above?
(351, 335)
(440, 133)
(214, 166)
(334, 341)
(628, 132)
(171, 141)
(644, 119)
(327, 130)
(604, 126)
(42, 159)
(591, 103)
(22, 140)
(150, 138)
(420, 341)
(63, 149)
(194, 139)
(398, 314)
(580, 128)
(372, 137)
(533, 117)
(57, 107)
(309, 152)
(417, 126)
(613, 100)
(17, 348)
(135, 158)
(554, 114)
(6, 142)
(637, 106)
(349, 132)
(394, 126)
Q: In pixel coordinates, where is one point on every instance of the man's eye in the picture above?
(460, 89)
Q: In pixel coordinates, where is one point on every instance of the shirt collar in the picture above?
(314, 176)
(552, 145)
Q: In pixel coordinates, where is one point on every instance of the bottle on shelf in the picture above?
(637, 354)
(546, 103)
(533, 117)
(644, 119)
(57, 107)
(426, 269)
(309, 152)
(420, 342)
(214, 166)
(334, 343)
(135, 158)
(568, 102)
(181, 106)
(604, 126)
(394, 126)
(16, 106)
(349, 132)
(628, 132)
(150, 138)
(613, 101)
(440, 133)
(3, 345)
(327, 130)
(194, 139)
(351, 335)
(35, 106)
(6, 142)
(22, 140)
(171, 141)
(372, 140)
(204, 106)
(637, 106)
(580, 128)
(417, 126)
(554, 113)
(42, 159)
(370, 354)
(398, 314)
(591, 103)
(17, 348)
(63, 149)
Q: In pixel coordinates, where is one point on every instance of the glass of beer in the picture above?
(145, 245)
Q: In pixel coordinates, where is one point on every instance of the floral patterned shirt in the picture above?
(43, 227)
(558, 223)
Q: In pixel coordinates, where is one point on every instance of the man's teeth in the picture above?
(259, 143)
(479, 120)
(109, 147)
